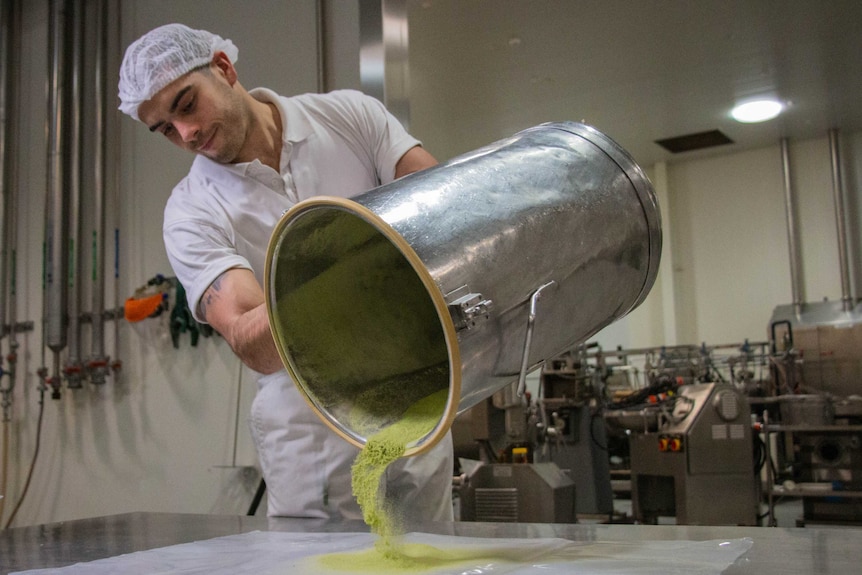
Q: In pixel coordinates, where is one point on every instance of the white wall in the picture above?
(729, 261)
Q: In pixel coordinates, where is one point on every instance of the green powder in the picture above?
(411, 558)
(356, 314)
(360, 327)
(386, 446)
(383, 448)
(364, 337)
(383, 403)
(420, 557)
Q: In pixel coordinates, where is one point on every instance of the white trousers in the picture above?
(306, 465)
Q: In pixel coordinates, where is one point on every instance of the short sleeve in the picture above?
(199, 247)
(375, 128)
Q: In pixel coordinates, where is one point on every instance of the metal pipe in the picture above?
(55, 228)
(112, 135)
(10, 48)
(372, 61)
(383, 55)
(838, 197)
(320, 21)
(5, 74)
(97, 366)
(396, 72)
(792, 237)
(11, 174)
(73, 368)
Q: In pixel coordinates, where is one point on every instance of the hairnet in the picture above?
(161, 56)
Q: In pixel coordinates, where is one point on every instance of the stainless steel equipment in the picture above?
(635, 392)
(572, 431)
(517, 492)
(460, 278)
(560, 430)
(828, 341)
(695, 462)
(818, 423)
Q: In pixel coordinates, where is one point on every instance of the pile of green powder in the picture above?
(380, 450)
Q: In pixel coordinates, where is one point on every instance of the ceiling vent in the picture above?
(691, 142)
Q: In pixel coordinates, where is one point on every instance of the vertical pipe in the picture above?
(55, 229)
(112, 135)
(72, 368)
(838, 198)
(5, 74)
(792, 237)
(396, 71)
(383, 57)
(98, 364)
(371, 50)
(9, 57)
(10, 230)
(320, 18)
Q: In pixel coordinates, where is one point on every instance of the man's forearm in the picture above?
(251, 340)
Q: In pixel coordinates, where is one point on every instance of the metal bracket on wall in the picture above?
(20, 327)
(116, 313)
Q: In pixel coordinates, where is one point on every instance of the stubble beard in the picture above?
(231, 129)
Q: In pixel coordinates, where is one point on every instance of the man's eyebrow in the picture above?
(174, 105)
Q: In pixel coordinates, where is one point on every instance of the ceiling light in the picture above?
(756, 111)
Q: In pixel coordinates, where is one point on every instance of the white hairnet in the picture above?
(161, 56)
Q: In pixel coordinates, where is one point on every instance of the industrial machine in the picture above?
(676, 422)
(684, 417)
(533, 451)
(691, 456)
(702, 433)
(571, 432)
(518, 492)
(815, 415)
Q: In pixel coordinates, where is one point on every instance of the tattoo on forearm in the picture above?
(216, 285)
(210, 294)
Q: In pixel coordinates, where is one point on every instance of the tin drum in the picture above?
(459, 279)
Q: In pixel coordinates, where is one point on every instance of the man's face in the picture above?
(200, 112)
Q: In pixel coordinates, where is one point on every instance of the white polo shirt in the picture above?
(221, 216)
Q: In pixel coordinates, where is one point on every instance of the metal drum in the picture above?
(460, 279)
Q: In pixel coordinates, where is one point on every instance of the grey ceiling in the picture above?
(639, 70)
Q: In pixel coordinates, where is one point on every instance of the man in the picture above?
(257, 155)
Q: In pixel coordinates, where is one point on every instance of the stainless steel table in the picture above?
(809, 551)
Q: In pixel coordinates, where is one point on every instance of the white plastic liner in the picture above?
(278, 553)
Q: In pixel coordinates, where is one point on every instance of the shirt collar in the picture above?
(295, 127)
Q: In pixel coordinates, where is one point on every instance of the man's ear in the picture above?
(223, 64)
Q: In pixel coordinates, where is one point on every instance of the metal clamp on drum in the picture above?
(468, 309)
(368, 298)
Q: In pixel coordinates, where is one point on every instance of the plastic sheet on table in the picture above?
(280, 553)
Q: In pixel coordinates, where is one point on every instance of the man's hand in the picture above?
(234, 305)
